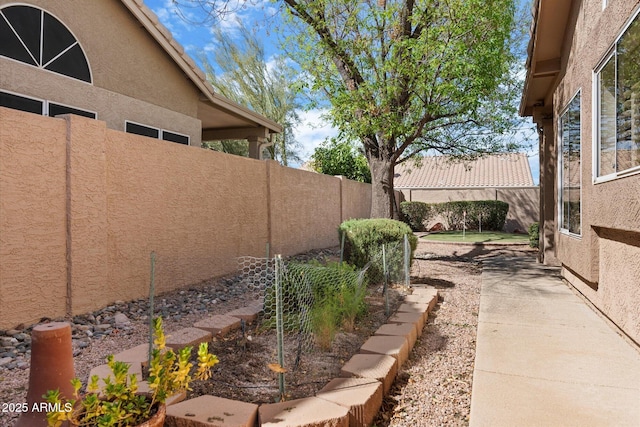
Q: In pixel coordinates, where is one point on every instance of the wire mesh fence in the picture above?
(300, 299)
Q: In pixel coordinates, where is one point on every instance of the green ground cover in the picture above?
(476, 237)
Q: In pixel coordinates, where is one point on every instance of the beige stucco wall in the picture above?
(33, 273)
(133, 78)
(305, 209)
(602, 262)
(523, 202)
(356, 199)
(108, 199)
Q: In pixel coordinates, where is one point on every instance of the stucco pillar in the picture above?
(256, 144)
(548, 185)
(86, 214)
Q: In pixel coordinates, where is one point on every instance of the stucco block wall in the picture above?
(356, 199)
(33, 272)
(108, 199)
(305, 209)
(524, 203)
(601, 262)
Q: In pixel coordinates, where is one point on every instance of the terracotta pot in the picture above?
(157, 420)
(51, 368)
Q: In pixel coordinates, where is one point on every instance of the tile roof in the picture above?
(500, 170)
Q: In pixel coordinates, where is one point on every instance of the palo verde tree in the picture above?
(244, 74)
(405, 77)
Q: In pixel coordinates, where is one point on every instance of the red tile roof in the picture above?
(500, 170)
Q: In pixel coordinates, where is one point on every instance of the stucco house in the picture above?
(582, 90)
(112, 60)
(505, 177)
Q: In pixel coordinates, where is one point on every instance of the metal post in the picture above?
(279, 322)
(407, 261)
(152, 291)
(386, 282)
(342, 247)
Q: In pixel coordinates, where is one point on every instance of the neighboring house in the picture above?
(505, 177)
(583, 91)
(113, 61)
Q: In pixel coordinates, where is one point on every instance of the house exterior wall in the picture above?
(602, 262)
(83, 206)
(133, 77)
(523, 202)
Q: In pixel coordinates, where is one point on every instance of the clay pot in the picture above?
(157, 420)
(51, 369)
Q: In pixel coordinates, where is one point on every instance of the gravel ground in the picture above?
(432, 389)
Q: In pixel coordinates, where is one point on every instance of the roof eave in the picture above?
(151, 23)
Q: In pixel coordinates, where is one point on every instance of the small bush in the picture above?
(364, 239)
(416, 214)
(534, 235)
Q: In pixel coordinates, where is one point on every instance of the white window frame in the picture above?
(560, 209)
(611, 54)
(46, 103)
(33, 98)
(160, 132)
(69, 106)
(41, 67)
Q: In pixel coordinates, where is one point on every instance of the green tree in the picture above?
(243, 74)
(336, 157)
(405, 77)
(408, 76)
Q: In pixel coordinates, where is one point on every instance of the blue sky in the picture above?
(262, 16)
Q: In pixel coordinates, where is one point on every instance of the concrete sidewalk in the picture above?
(545, 358)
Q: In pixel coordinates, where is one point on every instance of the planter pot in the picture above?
(157, 420)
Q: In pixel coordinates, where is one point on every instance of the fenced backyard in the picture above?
(82, 207)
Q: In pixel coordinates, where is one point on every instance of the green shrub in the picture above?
(304, 285)
(491, 214)
(415, 214)
(364, 239)
(534, 235)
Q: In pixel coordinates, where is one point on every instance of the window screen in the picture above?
(175, 137)
(142, 130)
(21, 103)
(33, 36)
(56, 110)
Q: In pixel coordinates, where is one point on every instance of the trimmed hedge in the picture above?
(364, 239)
(493, 214)
(416, 214)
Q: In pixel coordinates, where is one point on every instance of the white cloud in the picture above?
(312, 130)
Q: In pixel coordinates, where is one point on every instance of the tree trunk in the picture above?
(383, 204)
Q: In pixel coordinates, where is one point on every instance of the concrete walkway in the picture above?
(545, 358)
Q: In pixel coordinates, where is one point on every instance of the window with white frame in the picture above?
(570, 174)
(38, 106)
(152, 132)
(37, 38)
(618, 107)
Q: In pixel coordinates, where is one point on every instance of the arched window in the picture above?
(35, 37)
